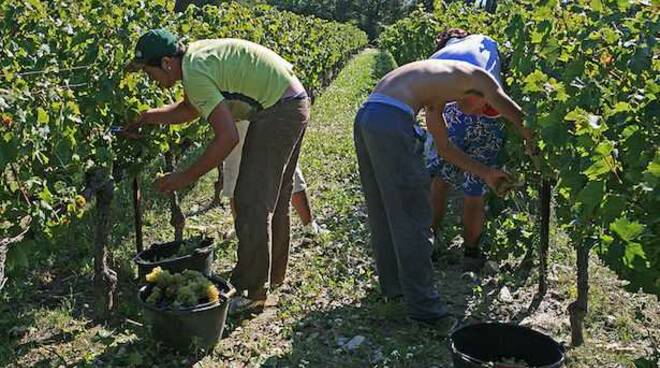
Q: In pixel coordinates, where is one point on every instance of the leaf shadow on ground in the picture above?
(371, 332)
(375, 333)
(55, 284)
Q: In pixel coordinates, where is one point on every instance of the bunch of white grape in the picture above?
(180, 290)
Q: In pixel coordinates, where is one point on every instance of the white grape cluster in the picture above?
(180, 290)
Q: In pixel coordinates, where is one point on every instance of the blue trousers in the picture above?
(396, 186)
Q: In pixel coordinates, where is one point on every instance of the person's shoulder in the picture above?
(435, 62)
(205, 44)
(198, 52)
(235, 43)
(195, 62)
(489, 41)
(436, 55)
(451, 64)
(193, 52)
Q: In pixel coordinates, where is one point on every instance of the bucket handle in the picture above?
(202, 250)
(472, 360)
(229, 293)
(468, 358)
(481, 363)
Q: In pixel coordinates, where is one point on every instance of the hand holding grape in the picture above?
(500, 181)
(131, 130)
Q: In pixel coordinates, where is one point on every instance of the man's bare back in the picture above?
(432, 83)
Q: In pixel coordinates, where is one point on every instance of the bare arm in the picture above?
(485, 84)
(435, 123)
(176, 113)
(224, 141)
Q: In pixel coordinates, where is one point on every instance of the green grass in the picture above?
(331, 293)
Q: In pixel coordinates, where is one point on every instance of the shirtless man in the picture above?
(395, 180)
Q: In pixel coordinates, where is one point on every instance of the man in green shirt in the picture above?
(226, 80)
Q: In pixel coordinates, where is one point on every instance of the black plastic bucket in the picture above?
(198, 327)
(201, 259)
(476, 345)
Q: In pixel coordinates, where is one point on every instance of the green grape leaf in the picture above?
(534, 82)
(599, 167)
(46, 195)
(590, 197)
(633, 252)
(626, 229)
(654, 166)
(613, 207)
(42, 116)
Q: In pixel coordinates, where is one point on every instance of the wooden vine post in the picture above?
(217, 189)
(4, 248)
(137, 208)
(178, 219)
(546, 197)
(105, 279)
(5, 243)
(578, 309)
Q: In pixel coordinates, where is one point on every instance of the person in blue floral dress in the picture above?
(480, 136)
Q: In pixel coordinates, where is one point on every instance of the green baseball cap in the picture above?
(151, 47)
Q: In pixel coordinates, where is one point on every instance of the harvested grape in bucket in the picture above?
(185, 289)
(508, 363)
(186, 247)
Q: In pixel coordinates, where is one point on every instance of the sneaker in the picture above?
(240, 305)
(313, 229)
(443, 326)
(229, 234)
(473, 260)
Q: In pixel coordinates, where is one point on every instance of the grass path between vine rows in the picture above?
(331, 295)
